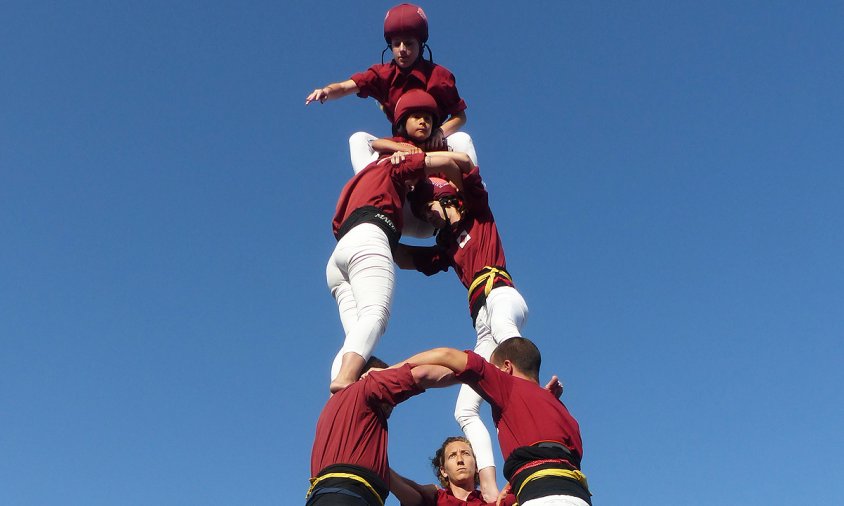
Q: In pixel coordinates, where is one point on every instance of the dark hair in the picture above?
(522, 353)
(438, 460)
(374, 362)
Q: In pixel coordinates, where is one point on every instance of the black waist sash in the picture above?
(528, 460)
(364, 483)
(374, 215)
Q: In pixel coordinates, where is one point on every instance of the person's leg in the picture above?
(467, 413)
(363, 256)
(341, 290)
(461, 142)
(360, 150)
(506, 312)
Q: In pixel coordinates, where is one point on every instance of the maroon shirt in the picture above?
(386, 82)
(474, 244)
(380, 184)
(523, 412)
(352, 428)
(446, 498)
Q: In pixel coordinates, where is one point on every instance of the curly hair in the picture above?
(438, 460)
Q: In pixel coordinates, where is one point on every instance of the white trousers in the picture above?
(556, 500)
(362, 154)
(501, 318)
(361, 277)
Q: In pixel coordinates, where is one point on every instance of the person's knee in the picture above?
(359, 138)
(461, 138)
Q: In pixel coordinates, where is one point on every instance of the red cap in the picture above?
(429, 189)
(416, 100)
(406, 19)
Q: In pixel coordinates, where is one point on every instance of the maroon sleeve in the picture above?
(485, 379)
(509, 500)
(391, 386)
(370, 84)
(443, 87)
(477, 198)
(412, 167)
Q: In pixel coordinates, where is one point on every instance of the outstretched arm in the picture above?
(403, 257)
(461, 159)
(332, 92)
(450, 358)
(410, 493)
(433, 376)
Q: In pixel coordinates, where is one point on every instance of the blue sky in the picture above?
(667, 178)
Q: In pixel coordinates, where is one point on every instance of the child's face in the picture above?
(418, 126)
(405, 51)
(438, 216)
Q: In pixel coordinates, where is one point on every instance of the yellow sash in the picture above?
(488, 278)
(564, 473)
(315, 481)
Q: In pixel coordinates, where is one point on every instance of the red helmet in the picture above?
(415, 100)
(430, 189)
(406, 19)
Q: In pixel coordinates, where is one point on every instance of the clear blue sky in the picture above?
(667, 178)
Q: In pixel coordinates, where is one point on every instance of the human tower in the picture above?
(423, 181)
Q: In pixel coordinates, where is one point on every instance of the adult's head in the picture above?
(454, 463)
(374, 362)
(416, 115)
(518, 352)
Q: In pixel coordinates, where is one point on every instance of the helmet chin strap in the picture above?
(445, 203)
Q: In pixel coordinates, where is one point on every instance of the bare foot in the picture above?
(350, 370)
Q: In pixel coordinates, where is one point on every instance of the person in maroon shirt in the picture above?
(406, 33)
(539, 438)
(367, 224)
(469, 242)
(349, 464)
(455, 468)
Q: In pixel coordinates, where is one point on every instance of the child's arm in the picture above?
(437, 140)
(403, 257)
(450, 165)
(463, 161)
(390, 146)
(332, 92)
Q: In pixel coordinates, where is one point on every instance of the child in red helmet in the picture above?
(406, 33)
(368, 223)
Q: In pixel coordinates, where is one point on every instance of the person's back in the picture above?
(538, 436)
(350, 445)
